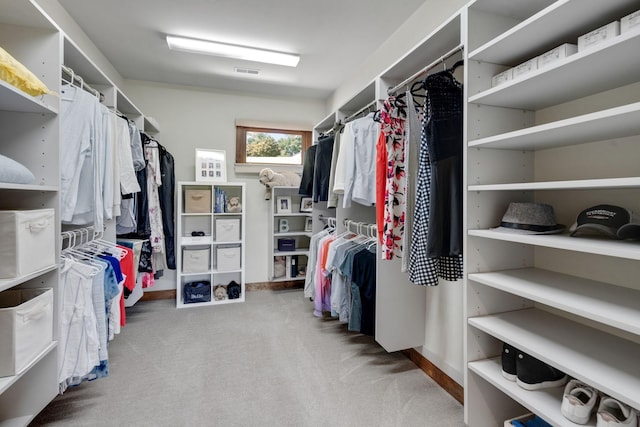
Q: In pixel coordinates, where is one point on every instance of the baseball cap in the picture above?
(609, 220)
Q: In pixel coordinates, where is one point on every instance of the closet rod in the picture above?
(426, 69)
(83, 85)
(357, 113)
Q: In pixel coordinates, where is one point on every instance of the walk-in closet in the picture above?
(418, 213)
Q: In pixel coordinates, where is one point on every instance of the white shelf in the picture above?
(10, 283)
(280, 215)
(230, 242)
(227, 213)
(601, 302)
(600, 359)
(293, 234)
(27, 187)
(13, 99)
(562, 20)
(585, 184)
(289, 253)
(287, 279)
(611, 64)
(198, 214)
(613, 123)
(607, 247)
(546, 402)
(212, 302)
(6, 382)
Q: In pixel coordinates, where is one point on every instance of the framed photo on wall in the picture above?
(283, 204)
(211, 165)
(308, 224)
(306, 204)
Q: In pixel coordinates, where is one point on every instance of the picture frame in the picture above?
(211, 165)
(283, 225)
(306, 204)
(308, 224)
(283, 204)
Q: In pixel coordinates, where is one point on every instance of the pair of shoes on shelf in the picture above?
(579, 402)
(529, 372)
(612, 413)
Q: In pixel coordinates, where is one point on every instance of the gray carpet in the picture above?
(265, 362)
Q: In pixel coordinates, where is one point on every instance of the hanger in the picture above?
(453, 68)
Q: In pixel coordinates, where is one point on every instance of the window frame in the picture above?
(241, 145)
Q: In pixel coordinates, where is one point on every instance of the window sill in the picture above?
(248, 168)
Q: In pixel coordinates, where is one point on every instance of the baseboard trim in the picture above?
(257, 286)
(157, 295)
(443, 380)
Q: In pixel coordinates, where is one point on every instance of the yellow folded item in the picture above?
(16, 74)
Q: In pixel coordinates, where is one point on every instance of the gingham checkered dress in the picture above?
(423, 268)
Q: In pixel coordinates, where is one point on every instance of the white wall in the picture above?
(191, 117)
(419, 25)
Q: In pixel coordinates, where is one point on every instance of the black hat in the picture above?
(530, 218)
(609, 220)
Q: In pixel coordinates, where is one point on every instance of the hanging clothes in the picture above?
(413, 130)
(360, 171)
(393, 119)
(436, 247)
(308, 170)
(166, 195)
(322, 169)
(154, 181)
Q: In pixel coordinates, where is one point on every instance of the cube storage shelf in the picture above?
(289, 236)
(211, 244)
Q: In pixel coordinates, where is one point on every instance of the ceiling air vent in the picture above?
(250, 71)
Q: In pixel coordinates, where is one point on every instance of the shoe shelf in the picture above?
(614, 248)
(546, 401)
(597, 358)
(584, 184)
(579, 75)
(610, 123)
(601, 302)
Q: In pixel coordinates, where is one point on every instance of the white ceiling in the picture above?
(333, 37)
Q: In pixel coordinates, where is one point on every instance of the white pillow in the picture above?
(14, 172)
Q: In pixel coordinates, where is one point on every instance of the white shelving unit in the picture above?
(207, 221)
(295, 260)
(30, 135)
(560, 135)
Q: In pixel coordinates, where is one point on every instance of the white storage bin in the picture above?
(502, 77)
(228, 258)
(630, 22)
(598, 36)
(227, 230)
(525, 68)
(195, 260)
(556, 54)
(26, 327)
(28, 242)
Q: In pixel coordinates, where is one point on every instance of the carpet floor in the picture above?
(265, 362)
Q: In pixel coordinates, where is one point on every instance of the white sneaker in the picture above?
(578, 401)
(612, 413)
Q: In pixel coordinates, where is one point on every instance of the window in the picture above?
(271, 146)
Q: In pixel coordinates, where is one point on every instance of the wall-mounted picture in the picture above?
(308, 224)
(306, 204)
(283, 204)
(211, 165)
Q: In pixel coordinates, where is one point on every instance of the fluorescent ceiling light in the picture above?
(232, 51)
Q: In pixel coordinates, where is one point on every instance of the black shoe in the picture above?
(509, 354)
(534, 374)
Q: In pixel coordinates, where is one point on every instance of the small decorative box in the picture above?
(285, 245)
(598, 36)
(502, 78)
(525, 68)
(630, 22)
(556, 54)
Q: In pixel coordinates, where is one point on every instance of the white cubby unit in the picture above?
(289, 235)
(30, 135)
(566, 135)
(210, 240)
